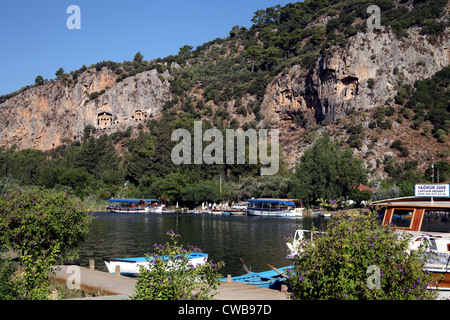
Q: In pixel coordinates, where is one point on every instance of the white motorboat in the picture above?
(131, 266)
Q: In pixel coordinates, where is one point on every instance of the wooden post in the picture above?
(117, 271)
(284, 288)
(91, 264)
(229, 278)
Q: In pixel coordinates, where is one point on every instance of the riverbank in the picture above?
(118, 287)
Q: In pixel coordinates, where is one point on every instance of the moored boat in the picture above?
(131, 266)
(237, 212)
(135, 206)
(227, 212)
(324, 214)
(425, 219)
(272, 279)
(275, 207)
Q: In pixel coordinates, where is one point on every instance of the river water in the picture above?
(257, 240)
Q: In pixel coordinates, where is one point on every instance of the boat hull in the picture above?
(131, 266)
(114, 209)
(238, 212)
(266, 279)
(272, 212)
(228, 212)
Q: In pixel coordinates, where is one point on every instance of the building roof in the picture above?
(362, 187)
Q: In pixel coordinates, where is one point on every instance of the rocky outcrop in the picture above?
(354, 79)
(43, 117)
(364, 74)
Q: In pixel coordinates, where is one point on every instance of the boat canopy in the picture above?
(276, 201)
(132, 200)
(416, 202)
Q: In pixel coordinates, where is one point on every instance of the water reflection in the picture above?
(257, 240)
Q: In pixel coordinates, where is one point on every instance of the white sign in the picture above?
(432, 190)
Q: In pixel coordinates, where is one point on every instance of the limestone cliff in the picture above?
(42, 117)
(343, 87)
(339, 82)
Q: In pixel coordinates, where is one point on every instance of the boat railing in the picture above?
(299, 236)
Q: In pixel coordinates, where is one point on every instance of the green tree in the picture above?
(254, 53)
(96, 156)
(25, 165)
(289, 41)
(50, 176)
(173, 185)
(138, 57)
(204, 191)
(185, 50)
(77, 180)
(60, 73)
(39, 80)
(45, 228)
(138, 159)
(327, 172)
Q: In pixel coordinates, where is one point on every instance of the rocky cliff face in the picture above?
(343, 88)
(363, 75)
(42, 117)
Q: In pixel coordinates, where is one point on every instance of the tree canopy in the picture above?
(325, 171)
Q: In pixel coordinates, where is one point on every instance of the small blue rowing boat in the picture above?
(267, 279)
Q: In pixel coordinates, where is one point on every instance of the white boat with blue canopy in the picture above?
(275, 207)
(135, 206)
(131, 266)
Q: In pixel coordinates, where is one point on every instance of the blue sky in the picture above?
(35, 39)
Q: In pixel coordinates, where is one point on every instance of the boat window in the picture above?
(402, 218)
(436, 220)
(250, 205)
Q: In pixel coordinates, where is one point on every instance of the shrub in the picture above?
(45, 228)
(337, 264)
(354, 141)
(441, 135)
(163, 282)
(398, 145)
(8, 291)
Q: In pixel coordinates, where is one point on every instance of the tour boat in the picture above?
(135, 206)
(131, 266)
(420, 217)
(275, 208)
